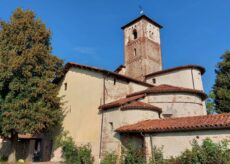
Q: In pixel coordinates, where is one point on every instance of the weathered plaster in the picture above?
(176, 142)
(178, 104)
(187, 78)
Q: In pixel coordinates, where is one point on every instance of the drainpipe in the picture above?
(152, 152)
(151, 147)
(102, 118)
(192, 79)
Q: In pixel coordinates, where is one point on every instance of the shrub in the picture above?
(84, 155)
(132, 155)
(3, 159)
(206, 153)
(72, 153)
(109, 158)
(69, 150)
(157, 155)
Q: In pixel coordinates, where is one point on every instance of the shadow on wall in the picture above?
(36, 150)
(134, 140)
(22, 149)
(5, 149)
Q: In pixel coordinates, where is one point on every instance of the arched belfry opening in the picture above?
(135, 34)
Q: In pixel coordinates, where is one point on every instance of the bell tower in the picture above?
(142, 47)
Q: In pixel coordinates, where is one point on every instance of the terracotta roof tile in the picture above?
(169, 89)
(207, 122)
(141, 105)
(121, 102)
(202, 70)
(105, 72)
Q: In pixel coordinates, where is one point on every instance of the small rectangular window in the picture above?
(65, 85)
(154, 81)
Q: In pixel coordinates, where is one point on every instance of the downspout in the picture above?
(152, 152)
(102, 117)
(151, 145)
(192, 79)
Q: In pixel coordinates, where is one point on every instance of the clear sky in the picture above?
(88, 31)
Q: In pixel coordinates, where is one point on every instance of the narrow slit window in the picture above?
(135, 52)
(154, 81)
(111, 126)
(65, 86)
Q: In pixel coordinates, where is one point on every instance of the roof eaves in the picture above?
(202, 70)
(173, 90)
(191, 123)
(105, 72)
(120, 102)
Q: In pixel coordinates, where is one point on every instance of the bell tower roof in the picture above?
(139, 18)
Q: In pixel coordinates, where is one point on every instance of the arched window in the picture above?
(135, 34)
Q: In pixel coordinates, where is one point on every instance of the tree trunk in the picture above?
(12, 156)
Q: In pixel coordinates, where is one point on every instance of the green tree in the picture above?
(29, 101)
(222, 84)
(210, 104)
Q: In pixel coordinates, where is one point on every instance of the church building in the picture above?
(140, 102)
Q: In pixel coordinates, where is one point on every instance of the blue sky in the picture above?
(88, 31)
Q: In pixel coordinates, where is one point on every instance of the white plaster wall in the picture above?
(198, 84)
(118, 118)
(133, 87)
(82, 99)
(178, 104)
(115, 89)
(120, 89)
(122, 71)
(176, 142)
(187, 78)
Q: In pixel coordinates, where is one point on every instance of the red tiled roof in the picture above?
(140, 105)
(169, 89)
(105, 72)
(207, 122)
(121, 102)
(202, 70)
(29, 136)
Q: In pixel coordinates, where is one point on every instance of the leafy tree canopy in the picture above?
(222, 84)
(210, 104)
(29, 101)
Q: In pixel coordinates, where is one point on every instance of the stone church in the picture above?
(140, 102)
